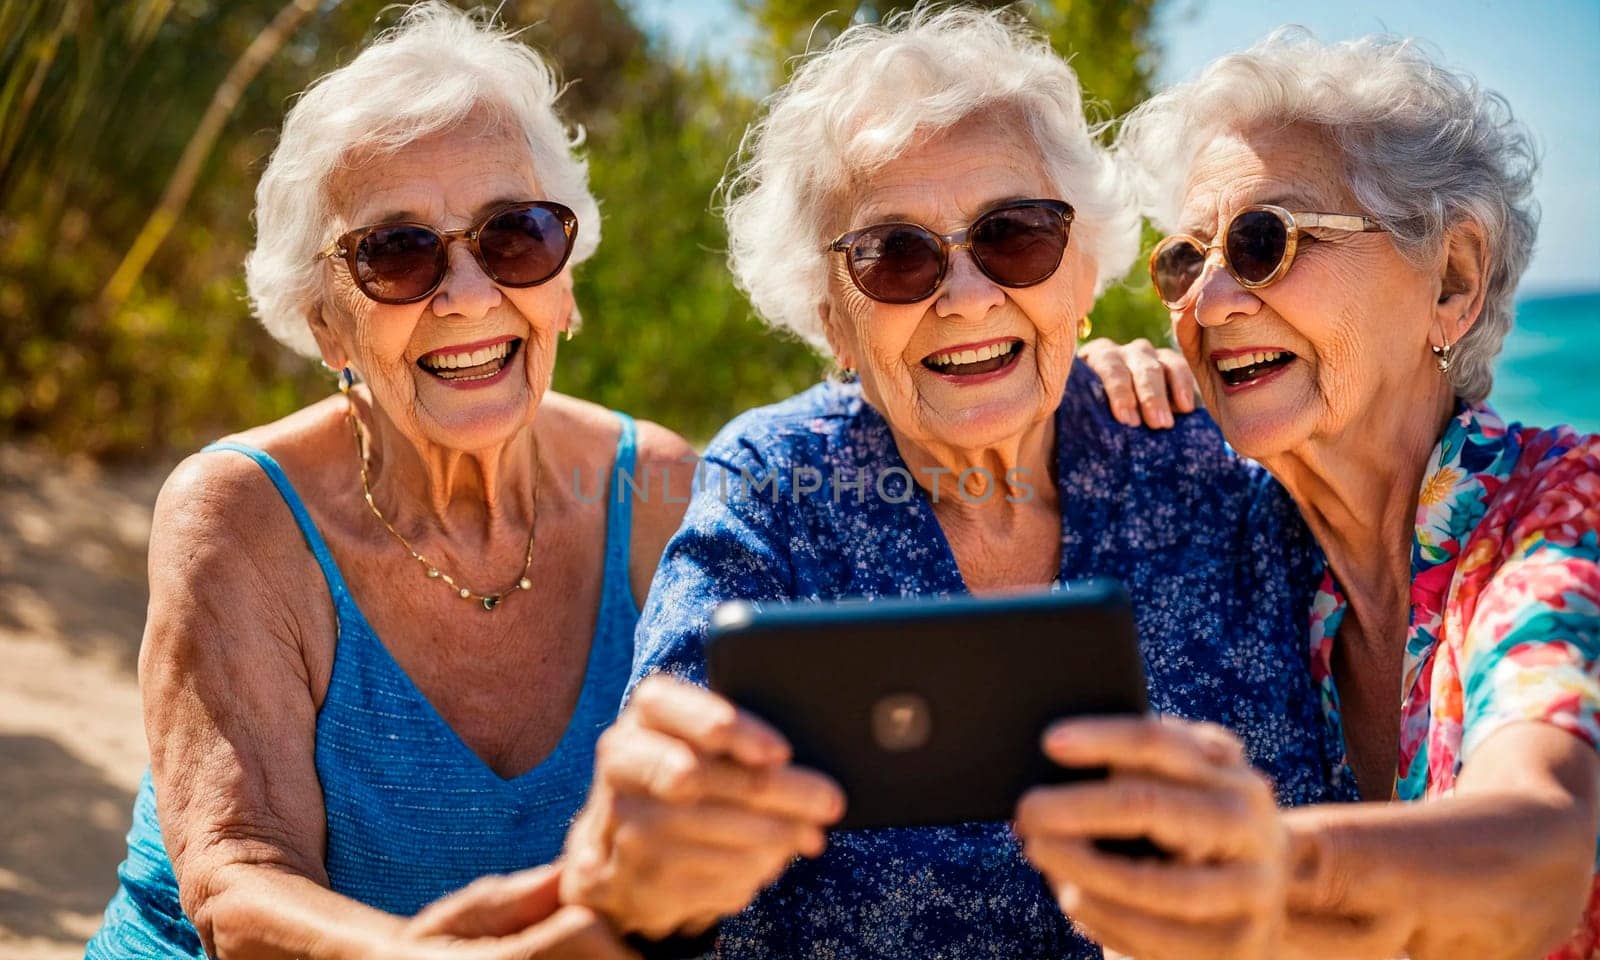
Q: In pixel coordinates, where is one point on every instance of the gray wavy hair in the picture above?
(431, 71)
(1424, 150)
(865, 99)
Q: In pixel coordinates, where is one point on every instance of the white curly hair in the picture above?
(866, 98)
(436, 67)
(1423, 149)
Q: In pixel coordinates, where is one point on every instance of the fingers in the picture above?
(705, 721)
(1152, 937)
(1195, 824)
(723, 879)
(1149, 383)
(1181, 383)
(720, 825)
(494, 906)
(694, 809)
(1105, 358)
(1332, 937)
(1197, 753)
(1144, 384)
(641, 761)
(1196, 892)
(572, 933)
(1188, 787)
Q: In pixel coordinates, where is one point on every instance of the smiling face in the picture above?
(1344, 331)
(465, 368)
(975, 363)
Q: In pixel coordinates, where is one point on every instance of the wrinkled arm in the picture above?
(230, 720)
(1500, 869)
(1503, 866)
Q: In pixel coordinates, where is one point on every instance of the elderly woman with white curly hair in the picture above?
(926, 203)
(1351, 221)
(385, 632)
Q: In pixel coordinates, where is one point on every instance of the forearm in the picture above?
(1483, 875)
(266, 912)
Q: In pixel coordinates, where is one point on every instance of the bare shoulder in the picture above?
(215, 506)
(668, 463)
(224, 500)
(661, 449)
(663, 473)
(223, 545)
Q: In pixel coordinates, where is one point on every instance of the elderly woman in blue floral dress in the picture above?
(1350, 224)
(925, 202)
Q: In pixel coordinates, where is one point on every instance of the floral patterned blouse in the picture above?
(1505, 606)
(809, 499)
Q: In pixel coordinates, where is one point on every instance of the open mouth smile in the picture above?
(470, 363)
(1248, 367)
(974, 360)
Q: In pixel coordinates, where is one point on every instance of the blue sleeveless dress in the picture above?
(412, 812)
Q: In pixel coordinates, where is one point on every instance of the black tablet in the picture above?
(930, 711)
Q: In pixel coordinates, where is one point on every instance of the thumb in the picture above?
(571, 932)
(495, 906)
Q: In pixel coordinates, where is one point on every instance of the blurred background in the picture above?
(131, 136)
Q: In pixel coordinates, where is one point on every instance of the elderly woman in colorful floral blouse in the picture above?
(925, 202)
(1350, 225)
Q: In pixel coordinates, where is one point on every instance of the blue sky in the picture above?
(1542, 55)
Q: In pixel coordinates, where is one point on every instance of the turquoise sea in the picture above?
(1549, 371)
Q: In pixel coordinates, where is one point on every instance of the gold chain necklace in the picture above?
(489, 600)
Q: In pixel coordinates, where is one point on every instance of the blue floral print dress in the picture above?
(809, 499)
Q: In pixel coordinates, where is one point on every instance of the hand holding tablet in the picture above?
(1032, 709)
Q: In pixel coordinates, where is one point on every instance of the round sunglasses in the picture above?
(1015, 245)
(1258, 244)
(518, 245)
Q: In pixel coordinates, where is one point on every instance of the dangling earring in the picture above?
(1085, 327)
(346, 381)
(1443, 355)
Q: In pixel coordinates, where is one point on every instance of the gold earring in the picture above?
(1443, 355)
(347, 380)
(566, 335)
(1085, 327)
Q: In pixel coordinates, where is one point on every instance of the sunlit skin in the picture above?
(1498, 869)
(432, 435)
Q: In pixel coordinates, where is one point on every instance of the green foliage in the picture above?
(98, 98)
(665, 335)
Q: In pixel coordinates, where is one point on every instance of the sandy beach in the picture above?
(72, 604)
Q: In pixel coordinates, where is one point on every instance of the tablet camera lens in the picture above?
(901, 722)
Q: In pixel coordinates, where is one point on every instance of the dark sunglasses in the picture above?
(517, 245)
(1016, 245)
(1258, 245)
